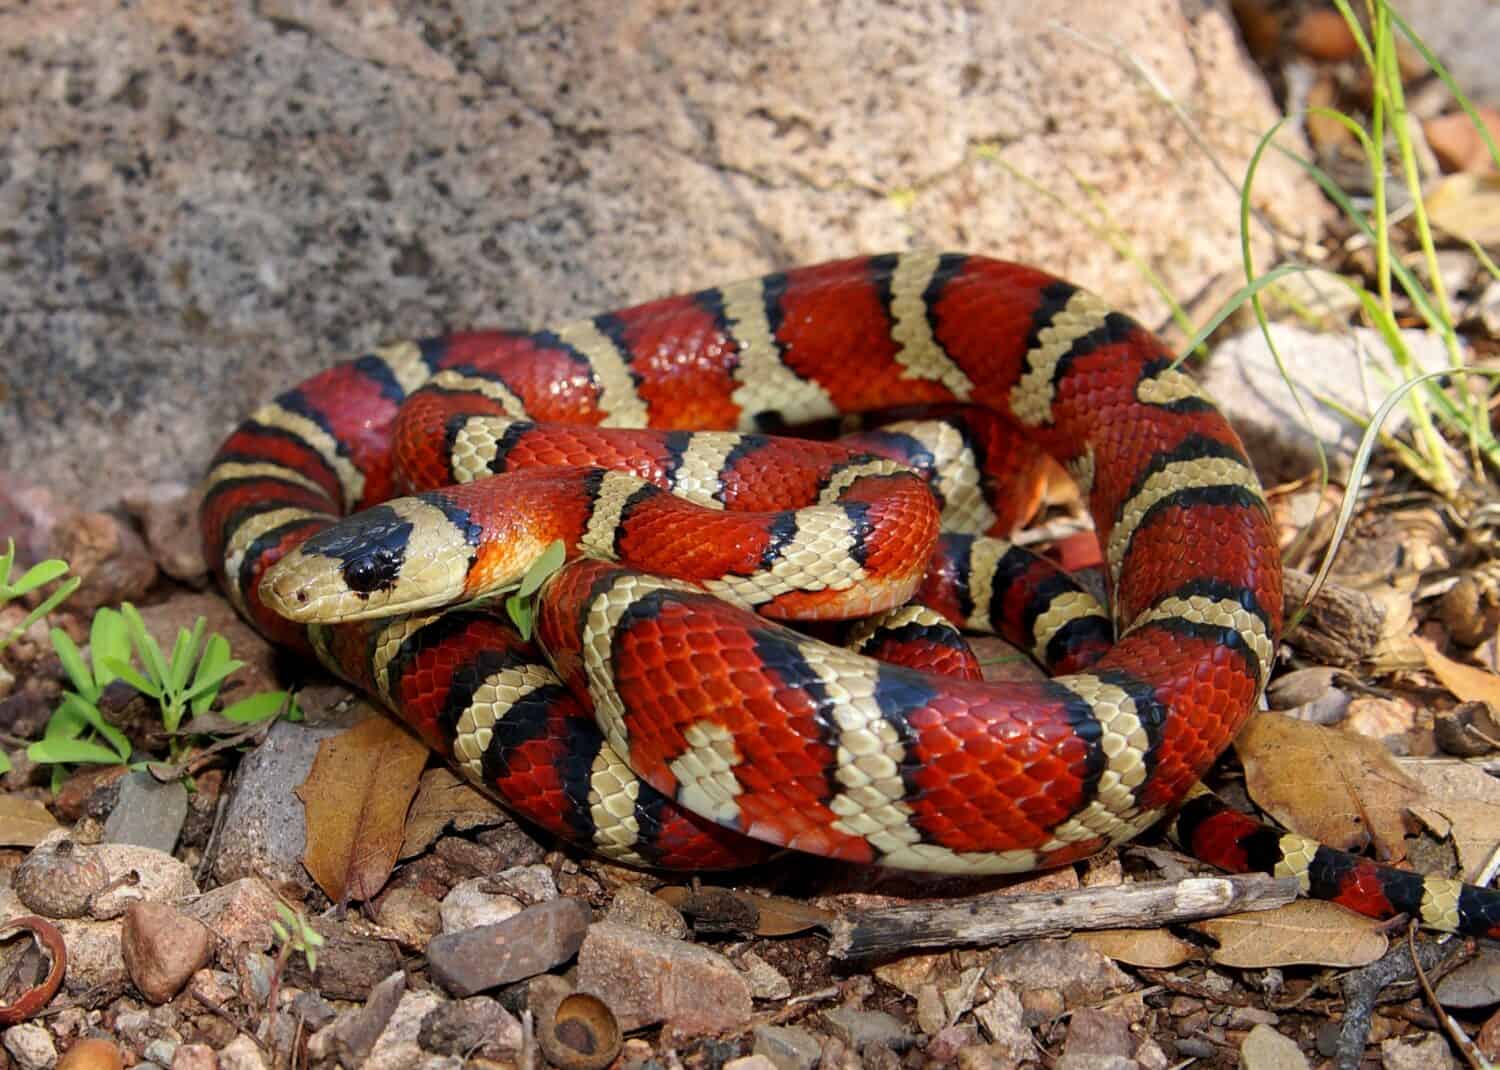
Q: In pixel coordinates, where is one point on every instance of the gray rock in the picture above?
(789, 1047)
(149, 813)
(646, 978)
(531, 942)
(465, 1026)
(264, 831)
(241, 1053)
(30, 1045)
(197, 187)
(1462, 33)
(858, 1028)
(633, 906)
(1243, 378)
(474, 903)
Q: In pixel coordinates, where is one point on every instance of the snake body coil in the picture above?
(671, 721)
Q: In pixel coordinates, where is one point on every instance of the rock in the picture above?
(1461, 33)
(148, 813)
(30, 1045)
(163, 948)
(161, 1051)
(529, 943)
(1324, 35)
(240, 912)
(412, 914)
(788, 1047)
(947, 1042)
(168, 515)
(93, 946)
(1266, 1049)
(646, 978)
(1431, 1052)
(530, 884)
(632, 906)
(474, 903)
(397, 1047)
(194, 1057)
(1242, 376)
(270, 832)
(59, 877)
(1456, 142)
(352, 1036)
(1094, 1037)
(766, 981)
(92, 1053)
(107, 556)
(690, 149)
(241, 1053)
(1003, 1019)
(27, 515)
(750, 1062)
(858, 1028)
(469, 1026)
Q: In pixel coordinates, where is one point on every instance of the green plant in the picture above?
(185, 683)
(1441, 402)
(294, 933)
(520, 605)
(36, 576)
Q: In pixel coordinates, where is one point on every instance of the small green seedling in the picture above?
(36, 576)
(185, 683)
(295, 934)
(521, 606)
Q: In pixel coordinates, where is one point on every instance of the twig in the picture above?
(1000, 919)
(1363, 989)
(1452, 1028)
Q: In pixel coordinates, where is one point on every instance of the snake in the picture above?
(679, 703)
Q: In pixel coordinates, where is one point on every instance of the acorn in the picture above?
(58, 880)
(576, 1031)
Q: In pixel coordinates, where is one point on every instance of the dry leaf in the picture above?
(1306, 932)
(1462, 801)
(1467, 206)
(23, 822)
(1464, 681)
(355, 798)
(442, 800)
(1337, 788)
(1156, 948)
(770, 915)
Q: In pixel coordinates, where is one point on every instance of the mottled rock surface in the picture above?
(204, 202)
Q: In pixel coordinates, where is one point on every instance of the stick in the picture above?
(1002, 919)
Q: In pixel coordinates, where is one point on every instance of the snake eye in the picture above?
(374, 571)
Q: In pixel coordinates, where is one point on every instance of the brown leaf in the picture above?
(1337, 788)
(1156, 948)
(442, 800)
(355, 798)
(23, 822)
(1305, 932)
(725, 909)
(1465, 681)
(1462, 801)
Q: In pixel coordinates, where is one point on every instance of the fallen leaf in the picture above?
(1307, 932)
(1465, 681)
(1462, 801)
(444, 799)
(725, 909)
(1336, 788)
(23, 822)
(355, 798)
(1155, 948)
(1467, 206)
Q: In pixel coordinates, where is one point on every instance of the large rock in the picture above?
(205, 202)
